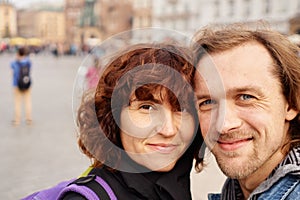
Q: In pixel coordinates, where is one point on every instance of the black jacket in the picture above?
(172, 185)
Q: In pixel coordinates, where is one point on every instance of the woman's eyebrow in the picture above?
(202, 96)
(158, 101)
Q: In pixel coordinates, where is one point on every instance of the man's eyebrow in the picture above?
(248, 88)
(235, 90)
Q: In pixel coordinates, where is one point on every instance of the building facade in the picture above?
(295, 25)
(142, 13)
(187, 16)
(8, 19)
(86, 21)
(177, 15)
(114, 16)
(73, 10)
(49, 26)
(276, 12)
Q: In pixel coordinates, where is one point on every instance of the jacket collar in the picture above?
(174, 184)
(290, 165)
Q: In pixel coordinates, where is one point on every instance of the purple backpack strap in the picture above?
(80, 189)
(86, 191)
(106, 187)
(50, 193)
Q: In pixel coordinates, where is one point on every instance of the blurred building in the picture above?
(8, 19)
(115, 16)
(295, 24)
(276, 12)
(87, 22)
(47, 25)
(50, 26)
(177, 15)
(88, 33)
(142, 13)
(26, 26)
(187, 16)
(73, 10)
(91, 21)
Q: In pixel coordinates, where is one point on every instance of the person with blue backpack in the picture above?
(139, 128)
(21, 68)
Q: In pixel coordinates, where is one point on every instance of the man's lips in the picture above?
(233, 144)
(162, 147)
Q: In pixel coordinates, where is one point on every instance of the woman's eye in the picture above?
(181, 109)
(146, 107)
(208, 102)
(184, 110)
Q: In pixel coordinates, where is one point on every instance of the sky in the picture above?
(26, 3)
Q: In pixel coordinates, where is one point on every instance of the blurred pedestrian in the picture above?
(21, 94)
(93, 74)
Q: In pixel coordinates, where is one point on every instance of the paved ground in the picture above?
(38, 156)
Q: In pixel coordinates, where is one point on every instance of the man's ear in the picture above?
(291, 113)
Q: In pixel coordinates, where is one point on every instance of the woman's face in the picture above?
(154, 134)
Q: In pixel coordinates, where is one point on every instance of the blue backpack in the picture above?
(24, 79)
(91, 187)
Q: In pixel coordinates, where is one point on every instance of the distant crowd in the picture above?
(57, 49)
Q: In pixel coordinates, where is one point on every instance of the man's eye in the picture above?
(246, 97)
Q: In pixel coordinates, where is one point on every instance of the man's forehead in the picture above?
(208, 87)
(207, 75)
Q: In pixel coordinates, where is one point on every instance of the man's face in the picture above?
(243, 114)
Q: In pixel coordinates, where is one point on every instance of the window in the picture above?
(217, 8)
(247, 8)
(231, 8)
(6, 12)
(267, 6)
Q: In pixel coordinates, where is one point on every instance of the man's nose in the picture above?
(227, 117)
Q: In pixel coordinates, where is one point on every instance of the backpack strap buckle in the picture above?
(84, 180)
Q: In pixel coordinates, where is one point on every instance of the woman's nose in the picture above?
(169, 124)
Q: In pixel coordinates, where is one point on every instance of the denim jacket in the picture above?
(282, 184)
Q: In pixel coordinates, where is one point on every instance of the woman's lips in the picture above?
(162, 148)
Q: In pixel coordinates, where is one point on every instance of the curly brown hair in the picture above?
(141, 70)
